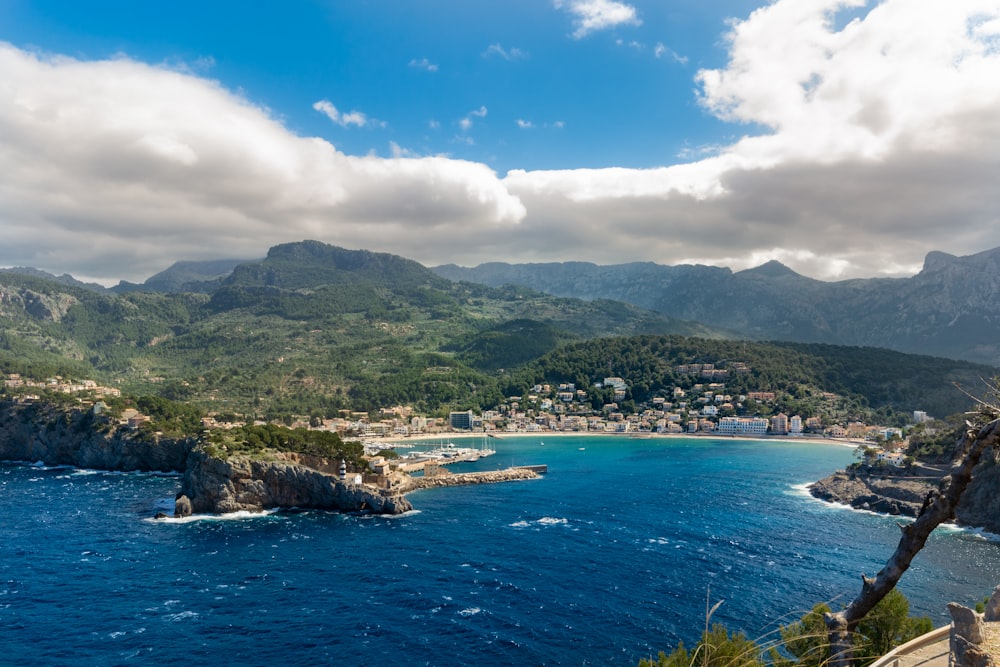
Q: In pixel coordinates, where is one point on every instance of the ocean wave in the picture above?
(470, 611)
(978, 533)
(231, 516)
(800, 490)
(544, 521)
(38, 465)
(180, 616)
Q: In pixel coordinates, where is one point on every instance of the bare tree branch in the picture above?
(938, 507)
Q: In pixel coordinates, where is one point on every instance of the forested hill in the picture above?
(950, 309)
(310, 327)
(313, 329)
(869, 383)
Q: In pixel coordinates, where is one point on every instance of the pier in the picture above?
(445, 478)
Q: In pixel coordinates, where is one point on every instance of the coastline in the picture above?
(422, 438)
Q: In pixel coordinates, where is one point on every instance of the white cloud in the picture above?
(524, 124)
(466, 122)
(507, 54)
(355, 118)
(880, 144)
(115, 169)
(593, 15)
(869, 143)
(661, 50)
(424, 64)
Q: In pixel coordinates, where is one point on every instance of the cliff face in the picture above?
(69, 436)
(979, 508)
(60, 436)
(241, 483)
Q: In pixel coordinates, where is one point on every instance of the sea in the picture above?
(612, 556)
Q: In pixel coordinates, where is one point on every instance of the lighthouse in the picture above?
(343, 470)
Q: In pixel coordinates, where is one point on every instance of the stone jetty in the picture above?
(452, 479)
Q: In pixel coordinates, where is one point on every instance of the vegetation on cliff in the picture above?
(257, 439)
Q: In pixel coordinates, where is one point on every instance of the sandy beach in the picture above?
(446, 436)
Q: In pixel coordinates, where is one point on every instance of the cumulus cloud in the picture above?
(466, 122)
(355, 118)
(115, 169)
(593, 15)
(879, 143)
(869, 142)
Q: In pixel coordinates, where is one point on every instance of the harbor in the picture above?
(440, 455)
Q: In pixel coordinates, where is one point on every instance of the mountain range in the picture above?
(312, 329)
(950, 309)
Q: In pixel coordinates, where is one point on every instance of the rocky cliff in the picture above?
(902, 495)
(57, 435)
(255, 484)
(61, 435)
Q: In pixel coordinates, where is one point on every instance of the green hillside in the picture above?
(313, 329)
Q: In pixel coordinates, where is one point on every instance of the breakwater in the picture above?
(466, 478)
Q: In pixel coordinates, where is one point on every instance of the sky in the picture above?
(842, 138)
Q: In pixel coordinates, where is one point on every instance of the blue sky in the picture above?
(842, 137)
(621, 95)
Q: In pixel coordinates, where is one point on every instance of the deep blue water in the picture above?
(605, 560)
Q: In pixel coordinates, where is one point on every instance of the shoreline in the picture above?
(392, 441)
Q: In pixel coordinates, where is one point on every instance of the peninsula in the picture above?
(216, 479)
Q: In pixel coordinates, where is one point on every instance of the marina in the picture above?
(441, 454)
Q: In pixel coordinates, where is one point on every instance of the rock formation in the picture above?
(75, 436)
(903, 495)
(975, 637)
(242, 483)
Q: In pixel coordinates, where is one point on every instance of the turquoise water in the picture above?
(605, 560)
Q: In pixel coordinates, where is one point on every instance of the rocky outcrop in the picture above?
(884, 494)
(975, 637)
(241, 483)
(903, 495)
(58, 435)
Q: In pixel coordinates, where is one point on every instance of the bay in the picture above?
(608, 558)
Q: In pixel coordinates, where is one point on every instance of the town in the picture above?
(703, 406)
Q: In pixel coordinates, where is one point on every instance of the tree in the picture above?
(717, 648)
(806, 643)
(888, 625)
(938, 507)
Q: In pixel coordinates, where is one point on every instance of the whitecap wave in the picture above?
(231, 516)
(470, 611)
(544, 521)
(180, 616)
(800, 489)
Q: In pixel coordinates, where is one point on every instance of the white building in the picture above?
(795, 424)
(742, 426)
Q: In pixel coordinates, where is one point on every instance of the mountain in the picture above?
(203, 276)
(313, 329)
(64, 279)
(950, 309)
(310, 326)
